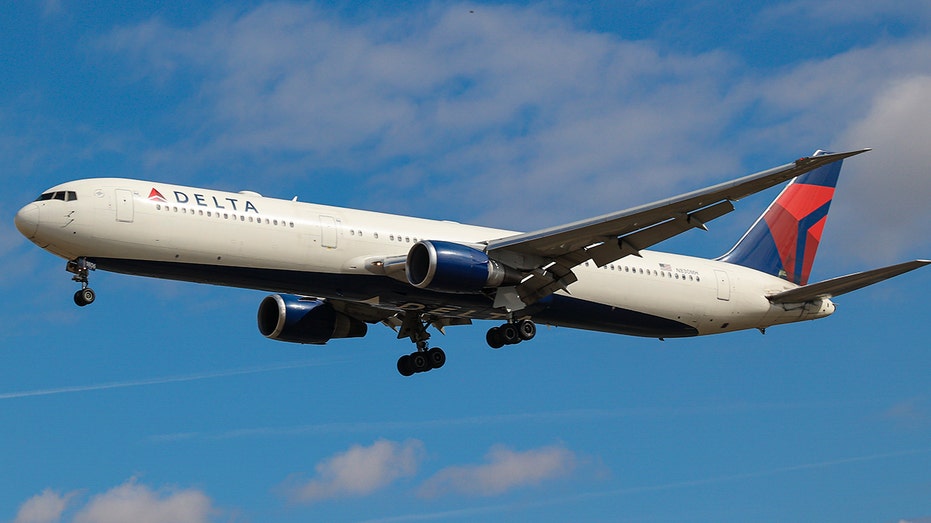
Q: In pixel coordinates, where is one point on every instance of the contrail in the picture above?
(161, 380)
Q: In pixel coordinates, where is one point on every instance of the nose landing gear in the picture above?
(80, 267)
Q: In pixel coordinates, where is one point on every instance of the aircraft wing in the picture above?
(552, 253)
(844, 284)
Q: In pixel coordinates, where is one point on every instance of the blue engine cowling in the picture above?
(455, 268)
(305, 320)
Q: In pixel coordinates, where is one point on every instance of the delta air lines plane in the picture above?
(334, 271)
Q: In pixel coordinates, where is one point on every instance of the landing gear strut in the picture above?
(424, 358)
(511, 333)
(80, 267)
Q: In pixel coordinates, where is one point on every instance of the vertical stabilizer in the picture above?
(783, 241)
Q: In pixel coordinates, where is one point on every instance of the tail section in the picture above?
(783, 241)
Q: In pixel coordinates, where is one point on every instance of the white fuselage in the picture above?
(244, 239)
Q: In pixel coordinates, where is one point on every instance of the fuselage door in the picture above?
(328, 229)
(124, 205)
(724, 285)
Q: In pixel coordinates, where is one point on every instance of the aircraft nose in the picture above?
(27, 220)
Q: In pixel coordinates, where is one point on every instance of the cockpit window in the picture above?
(65, 196)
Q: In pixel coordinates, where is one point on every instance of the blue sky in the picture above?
(163, 399)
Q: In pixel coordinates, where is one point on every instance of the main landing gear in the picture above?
(424, 358)
(511, 333)
(80, 267)
(414, 326)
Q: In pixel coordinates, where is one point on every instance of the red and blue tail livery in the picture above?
(784, 240)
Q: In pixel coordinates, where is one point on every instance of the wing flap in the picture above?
(844, 284)
(626, 245)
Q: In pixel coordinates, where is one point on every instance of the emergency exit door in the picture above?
(124, 205)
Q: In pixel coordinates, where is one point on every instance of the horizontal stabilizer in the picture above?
(844, 284)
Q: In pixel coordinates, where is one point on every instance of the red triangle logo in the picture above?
(157, 196)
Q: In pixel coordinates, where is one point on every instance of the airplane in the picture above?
(333, 271)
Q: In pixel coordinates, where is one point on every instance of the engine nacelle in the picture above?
(305, 320)
(455, 268)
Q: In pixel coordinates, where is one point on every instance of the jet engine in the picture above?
(455, 268)
(305, 320)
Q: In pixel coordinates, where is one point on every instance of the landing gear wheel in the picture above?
(526, 329)
(419, 362)
(436, 357)
(85, 296)
(405, 365)
(493, 337)
(509, 334)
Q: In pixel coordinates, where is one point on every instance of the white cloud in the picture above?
(138, 503)
(909, 413)
(505, 108)
(46, 507)
(515, 116)
(505, 470)
(130, 501)
(358, 471)
(888, 203)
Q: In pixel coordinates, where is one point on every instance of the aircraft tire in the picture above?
(420, 362)
(509, 334)
(436, 357)
(493, 337)
(405, 365)
(84, 297)
(527, 329)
